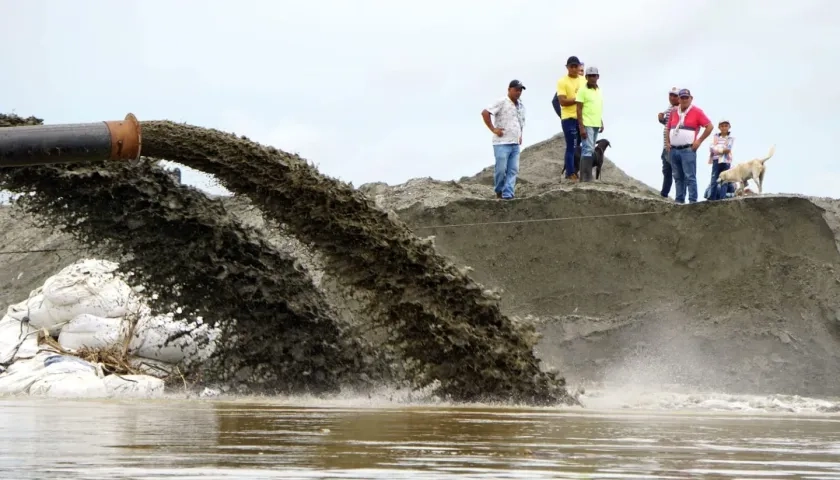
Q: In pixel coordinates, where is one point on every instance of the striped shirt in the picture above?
(721, 142)
(667, 114)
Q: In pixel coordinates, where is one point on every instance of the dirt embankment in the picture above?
(740, 296)
(444, 326)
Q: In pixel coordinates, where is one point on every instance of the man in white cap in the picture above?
(590, 108)
(667, 173)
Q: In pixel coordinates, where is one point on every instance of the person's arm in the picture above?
(581, 128)
(564, 93)
(579, 101)
(492, 110)
(702, 119)
(729, 142)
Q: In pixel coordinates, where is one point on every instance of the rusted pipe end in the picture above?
(125, 138)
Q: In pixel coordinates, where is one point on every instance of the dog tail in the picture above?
(769, 154)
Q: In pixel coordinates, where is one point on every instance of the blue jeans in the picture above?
(667, 174)
(587, 145)
(718, 192)
(507, 167)
(570, 131)
(684, 167)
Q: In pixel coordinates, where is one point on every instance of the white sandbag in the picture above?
(152, 335)
(22, 374)
(81, 280)
(45, 314)
(18, 311)
(73, 288)
(65, 376)
(153, 368)
(17, 340)
(90, 331)
(134, 386)
(69, 385)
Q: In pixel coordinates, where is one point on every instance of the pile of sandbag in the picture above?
(87, 306)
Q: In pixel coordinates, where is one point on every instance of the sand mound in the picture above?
(741, 295)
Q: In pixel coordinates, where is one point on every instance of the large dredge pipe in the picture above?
(68, 143)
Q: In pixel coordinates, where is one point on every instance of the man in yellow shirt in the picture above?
(567, 88)
(590, 108)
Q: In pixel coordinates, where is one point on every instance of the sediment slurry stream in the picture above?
(446, 329)
(185, 248)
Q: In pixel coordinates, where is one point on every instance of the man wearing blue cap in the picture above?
(682, 142)
(509, 113)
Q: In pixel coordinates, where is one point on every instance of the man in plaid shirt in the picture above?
(667, 173)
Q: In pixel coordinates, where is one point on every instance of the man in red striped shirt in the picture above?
(682, 142)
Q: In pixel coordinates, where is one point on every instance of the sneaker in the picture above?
(574, 178)
(498, 194)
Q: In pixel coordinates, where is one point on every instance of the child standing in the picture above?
(720, 157)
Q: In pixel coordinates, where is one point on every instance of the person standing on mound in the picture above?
(667, 173)
(509, 114)
(682, 143)
(567, 88)
(720, 157)
(590, 108)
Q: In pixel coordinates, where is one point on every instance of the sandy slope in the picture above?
(741, 296)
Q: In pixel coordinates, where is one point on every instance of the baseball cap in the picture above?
(592, 70)
(725, 121)
(684, 92)
(573, 60)
(516, 84)
(674, 91)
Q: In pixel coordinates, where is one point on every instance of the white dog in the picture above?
(752, 170)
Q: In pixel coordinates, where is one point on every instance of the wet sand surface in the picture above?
(248, 440)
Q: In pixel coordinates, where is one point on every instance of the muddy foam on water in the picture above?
(447, 329)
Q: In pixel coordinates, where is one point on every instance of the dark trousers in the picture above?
(718, 192)
(667, 174)
(570, 131)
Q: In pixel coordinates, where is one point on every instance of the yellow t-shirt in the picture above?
(569, 86)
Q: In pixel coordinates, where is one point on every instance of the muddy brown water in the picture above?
(353, 439)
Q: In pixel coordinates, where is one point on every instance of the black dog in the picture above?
(598, 160)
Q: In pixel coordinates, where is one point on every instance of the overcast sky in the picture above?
(388, 90)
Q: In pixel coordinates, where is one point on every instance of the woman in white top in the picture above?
(720, 157)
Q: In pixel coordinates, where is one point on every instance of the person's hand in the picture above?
(695, 146)
(601, 130)
(582, 132)
(520, 139)
(661, 117)
(499, 131)
(668, 147)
